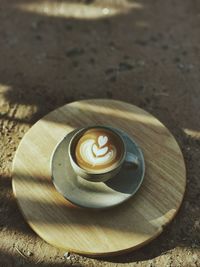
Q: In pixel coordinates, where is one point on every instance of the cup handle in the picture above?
(131, 161)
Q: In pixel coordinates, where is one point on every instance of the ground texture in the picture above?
(143, 52)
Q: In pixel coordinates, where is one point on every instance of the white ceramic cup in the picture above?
(128, 160)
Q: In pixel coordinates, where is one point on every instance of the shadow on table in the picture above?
(181, 232)
(47, 58)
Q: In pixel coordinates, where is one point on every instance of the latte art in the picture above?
(95, 155)
(98, 150)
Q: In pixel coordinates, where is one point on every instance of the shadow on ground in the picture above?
(146, 54)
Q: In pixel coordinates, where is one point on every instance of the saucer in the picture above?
(96, 195)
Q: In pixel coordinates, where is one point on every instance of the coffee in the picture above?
(98, 150)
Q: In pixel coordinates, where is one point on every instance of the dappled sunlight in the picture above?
(47, 212)
(3, 90)
(163, 220)
(71, 9)
(54, 52)
(21, 112)
(192, 133)
(126, 114)
(57, 220)
(41, 194)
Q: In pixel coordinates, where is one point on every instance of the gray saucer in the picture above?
(97, 195)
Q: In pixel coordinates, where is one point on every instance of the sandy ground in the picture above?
(144, 52)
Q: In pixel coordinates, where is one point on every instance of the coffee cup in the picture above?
(97, 153)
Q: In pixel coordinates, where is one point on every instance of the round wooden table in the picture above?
(99, 232)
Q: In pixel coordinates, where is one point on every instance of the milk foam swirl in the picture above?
(97, 154)
(98, 150)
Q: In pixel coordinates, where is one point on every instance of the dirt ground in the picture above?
(145, 52)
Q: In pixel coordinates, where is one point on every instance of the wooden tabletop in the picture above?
(125, 227)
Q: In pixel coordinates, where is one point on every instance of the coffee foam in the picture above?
(98, 150)
(94, 155)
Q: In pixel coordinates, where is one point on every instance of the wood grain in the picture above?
(112, 231)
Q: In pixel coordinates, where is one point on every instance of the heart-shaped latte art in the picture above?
(99, 151)
(102, 140)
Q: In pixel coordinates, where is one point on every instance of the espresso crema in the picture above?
(98, 150)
